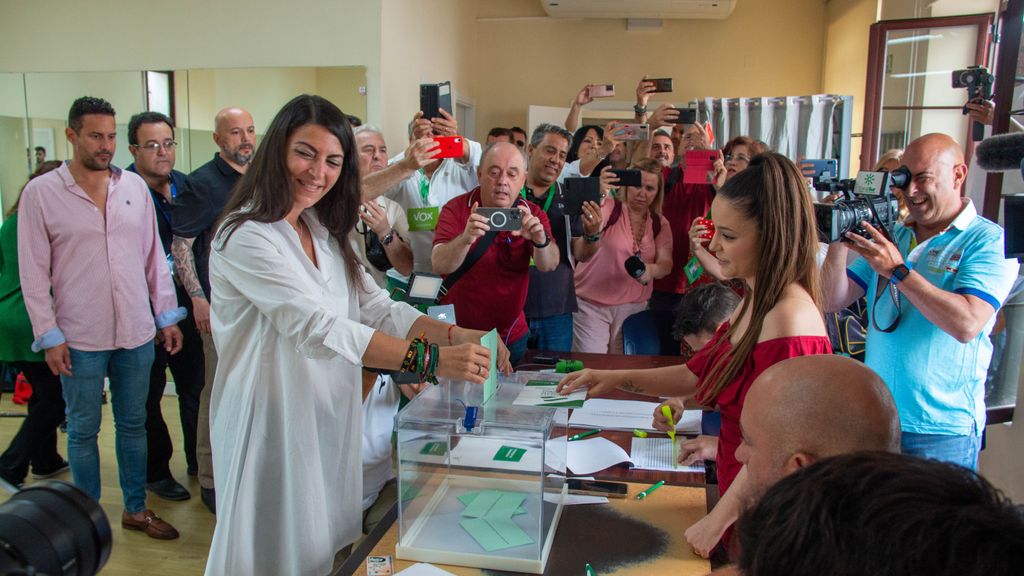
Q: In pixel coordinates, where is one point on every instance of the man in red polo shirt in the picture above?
(491, 293)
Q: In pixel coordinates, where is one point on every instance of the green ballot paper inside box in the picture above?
(483, 497)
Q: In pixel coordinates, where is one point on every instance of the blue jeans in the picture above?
(129, 386)
(551, 334)
(961, 450)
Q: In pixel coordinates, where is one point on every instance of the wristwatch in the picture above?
(639, 109)
(592, 238)
(898, 273)
(547, 240)
(388, 237)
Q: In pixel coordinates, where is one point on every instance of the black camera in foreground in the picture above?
(53, 528)
(868, 198)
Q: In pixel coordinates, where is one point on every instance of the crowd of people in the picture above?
(260, 281)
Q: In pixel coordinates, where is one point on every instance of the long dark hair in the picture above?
(772, 193)
(264, 192)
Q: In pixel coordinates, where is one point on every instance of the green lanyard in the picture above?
(551, 194)
(424, 187)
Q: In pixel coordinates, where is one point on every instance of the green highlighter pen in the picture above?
(582, 435)
(647, 492)
(590, 571)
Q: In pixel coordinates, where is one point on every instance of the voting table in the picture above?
(624, 536)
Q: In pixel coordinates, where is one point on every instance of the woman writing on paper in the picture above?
(294, 317)
(765, 235)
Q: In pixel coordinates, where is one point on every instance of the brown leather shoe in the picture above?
(152, 525)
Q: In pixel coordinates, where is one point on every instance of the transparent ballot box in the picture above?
(486, 493)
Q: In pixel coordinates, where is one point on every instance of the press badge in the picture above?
(693, 270)
(421, 219)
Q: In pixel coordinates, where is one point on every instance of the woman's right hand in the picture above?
(698, 450)
(469, 362)
(597, 382)
(660, 422)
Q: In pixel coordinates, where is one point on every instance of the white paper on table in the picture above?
(545, 396)
(593, 454)
(656, 454)
(627, 415)
(424, 569)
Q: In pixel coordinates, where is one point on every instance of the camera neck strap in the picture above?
(894, 294)
(474, 255)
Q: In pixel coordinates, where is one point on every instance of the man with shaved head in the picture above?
(195, 215)
(808, 408)
(797, 412)
(491, 292)
(932, 290)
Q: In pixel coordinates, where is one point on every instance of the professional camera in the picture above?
(978, 82)
(53, 528)
(868, 198)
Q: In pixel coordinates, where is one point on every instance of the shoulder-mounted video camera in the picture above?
(868, 198)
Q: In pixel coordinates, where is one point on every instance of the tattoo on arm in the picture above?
(628, 386)
(185, 266)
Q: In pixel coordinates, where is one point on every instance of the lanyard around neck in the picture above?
(551, 194)
(424, 188)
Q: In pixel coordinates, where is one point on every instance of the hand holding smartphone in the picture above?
(700, 165)
(449, 147)
(661, 84)
(632, 132)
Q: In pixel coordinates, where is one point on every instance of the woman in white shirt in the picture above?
(294, 317)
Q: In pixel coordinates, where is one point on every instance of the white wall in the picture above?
(70, 35)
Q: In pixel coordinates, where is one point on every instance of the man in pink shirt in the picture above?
(94, 275)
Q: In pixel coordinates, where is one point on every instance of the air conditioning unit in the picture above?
(640, 9)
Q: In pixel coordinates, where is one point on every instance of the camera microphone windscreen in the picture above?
(635, 267)
(1001, 153)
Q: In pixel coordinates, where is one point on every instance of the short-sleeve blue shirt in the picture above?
(938, 382)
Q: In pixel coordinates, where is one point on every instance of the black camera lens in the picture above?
(499, 220)
(53, 528)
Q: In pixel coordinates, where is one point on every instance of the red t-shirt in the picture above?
(492, 293)
(683, 203)
(730, 400)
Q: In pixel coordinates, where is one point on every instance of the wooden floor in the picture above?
(134, 553)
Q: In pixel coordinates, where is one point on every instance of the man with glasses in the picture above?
(195, 216)
(518, 137)
(98, 290)
(151, 143)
